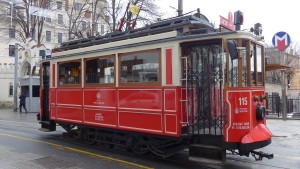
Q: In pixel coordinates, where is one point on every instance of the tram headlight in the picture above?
(260, 112)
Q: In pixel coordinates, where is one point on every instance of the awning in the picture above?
(277, 67)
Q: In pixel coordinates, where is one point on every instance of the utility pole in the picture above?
(180, 8)
(284, 107)
(16, 78)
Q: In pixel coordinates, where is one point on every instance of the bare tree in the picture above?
(87, 12)
(148, 12)
(76, 13)
(32, 23)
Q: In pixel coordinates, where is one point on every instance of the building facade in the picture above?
(58, 19)
(287, 62)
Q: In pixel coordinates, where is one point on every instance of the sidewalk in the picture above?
(9, 114)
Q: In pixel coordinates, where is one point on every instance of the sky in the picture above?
(275, 15)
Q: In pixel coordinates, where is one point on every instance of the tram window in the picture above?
(233, 64)
(100, 70)
(252, 60)
(244, 64)
(259, 64)
(69, 73)
(140, 67)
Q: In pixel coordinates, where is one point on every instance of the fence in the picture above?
(274, 106)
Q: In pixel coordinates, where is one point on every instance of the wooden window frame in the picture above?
(58, 71)
(262, 65)
(158, 83)
(100, 84)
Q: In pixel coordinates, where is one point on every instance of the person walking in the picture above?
(22, 102)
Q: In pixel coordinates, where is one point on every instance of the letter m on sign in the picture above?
(281, 40)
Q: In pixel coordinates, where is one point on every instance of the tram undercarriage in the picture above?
(129, 141)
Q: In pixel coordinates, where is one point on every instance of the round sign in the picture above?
(281, 40)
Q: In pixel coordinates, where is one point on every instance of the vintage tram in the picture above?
(171, 85)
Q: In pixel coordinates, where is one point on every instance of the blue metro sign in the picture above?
(281, 40)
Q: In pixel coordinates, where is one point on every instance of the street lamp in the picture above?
(16, 6)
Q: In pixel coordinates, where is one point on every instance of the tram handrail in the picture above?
(186, 89)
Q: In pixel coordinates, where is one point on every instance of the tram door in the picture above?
(202, 67)
(46, 123)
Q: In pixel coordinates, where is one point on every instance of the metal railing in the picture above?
(274, 106)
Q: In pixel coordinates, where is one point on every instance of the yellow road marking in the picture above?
(79, 151)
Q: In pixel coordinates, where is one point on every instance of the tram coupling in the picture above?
(259, 155)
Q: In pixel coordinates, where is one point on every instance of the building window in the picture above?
(59, 37)
(48, 20)
(11, 51)
(48, 36)
(47, 4)
(59, 5)
(69, 73)
(77, 6)
(11, 89)
(102, 29)
(60, 19)
(12, 31)
(140, 67)
(100, 70)
(95, 26)
(83, 26)
(32, 33)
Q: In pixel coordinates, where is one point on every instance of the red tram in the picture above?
(171, 85)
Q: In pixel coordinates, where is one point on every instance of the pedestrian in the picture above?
(22, 102)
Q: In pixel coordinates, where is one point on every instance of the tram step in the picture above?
(207, 153)
(48, 126)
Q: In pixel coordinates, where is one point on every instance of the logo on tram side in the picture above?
(240, 110)
(281, 40)
(98, 99)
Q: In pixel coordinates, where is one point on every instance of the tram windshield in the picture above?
(247, 68)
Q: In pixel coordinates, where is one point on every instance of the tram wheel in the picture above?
(138, 147)
(85, 138)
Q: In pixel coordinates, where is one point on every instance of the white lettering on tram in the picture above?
(241, 125)
(99, 117)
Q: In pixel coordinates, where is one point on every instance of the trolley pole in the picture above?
(180, 8)
(283, 95)
(16, 78)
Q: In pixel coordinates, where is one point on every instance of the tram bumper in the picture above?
(259, 137)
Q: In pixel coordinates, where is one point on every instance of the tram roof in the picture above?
(177, 28)
(197, 23)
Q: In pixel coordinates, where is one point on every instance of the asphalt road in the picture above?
(23, 146)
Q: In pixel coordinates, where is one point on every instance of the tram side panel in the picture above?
(153, 110)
